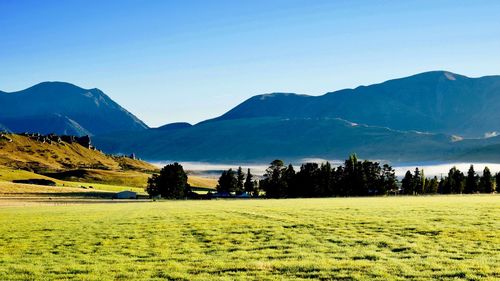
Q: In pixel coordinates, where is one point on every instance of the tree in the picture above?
(248, 186)
(170, 183)
(497, 180)
(486, 181)
(308, 181)
(472, 181)
(288, 177)
(455, 182)
(431, 186)
(389, 179)
(240, 177)
(417, 182)
(227, 182)
(273, 183)
(407, 183)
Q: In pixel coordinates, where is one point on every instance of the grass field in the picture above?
(418, 238)
(110, 181)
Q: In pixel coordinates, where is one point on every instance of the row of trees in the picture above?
(237, 182)
(454, 183)
(354, 178)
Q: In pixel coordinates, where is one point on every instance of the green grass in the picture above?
(416, 238)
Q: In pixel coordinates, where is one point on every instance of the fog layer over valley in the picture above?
(213, 170)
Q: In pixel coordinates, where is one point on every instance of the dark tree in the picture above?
(308, 181)
(326, 180)
(256, 189)
(472, 181)
(240, 178)
(417, 182)
(290, 180)
(455, 182)
(273, 183)
(248, 186)
(497, 180)
(227, 182)
(431, 186)
(389, 179)
(486, 181)
(407, 183)
(170, 183)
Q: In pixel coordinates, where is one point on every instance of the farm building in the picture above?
(126, 194)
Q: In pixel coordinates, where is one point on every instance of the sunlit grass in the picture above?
(419, 238)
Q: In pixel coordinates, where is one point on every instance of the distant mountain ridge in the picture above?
(63, 108)
(425, 117)
(437, 101)
(432, 116)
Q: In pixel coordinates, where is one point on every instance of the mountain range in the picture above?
(63, 108)
(432, 116)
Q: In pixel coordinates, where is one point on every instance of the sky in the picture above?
(171, 61)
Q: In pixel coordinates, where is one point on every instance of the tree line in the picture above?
(454, 183)
(353, 178)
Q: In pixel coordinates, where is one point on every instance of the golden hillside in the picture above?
(25, 152)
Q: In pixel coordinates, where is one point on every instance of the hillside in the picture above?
(25, 152)
(63, 108)
(261, 139)
(71, 164)
(437, 101)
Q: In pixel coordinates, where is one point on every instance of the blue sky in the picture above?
(168, 61)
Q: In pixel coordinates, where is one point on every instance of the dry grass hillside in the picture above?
(23, 152)
(73, 165)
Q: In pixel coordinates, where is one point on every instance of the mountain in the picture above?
(262, 139)
(432, 116)
(63, 108)
(174, 126)
(438, 102)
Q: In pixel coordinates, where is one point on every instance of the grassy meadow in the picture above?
(391, 238)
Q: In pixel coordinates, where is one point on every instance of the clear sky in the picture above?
(168, 61)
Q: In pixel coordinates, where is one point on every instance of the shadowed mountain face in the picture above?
(63, 108)
(261, 139)
(438, 102)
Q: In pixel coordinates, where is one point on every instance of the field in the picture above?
(418, 238)
(105, 181)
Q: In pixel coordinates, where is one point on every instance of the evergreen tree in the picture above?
(455, 182)
(256, 189)
(308, 180)
(472, 181)
(290, 181)
(497, 180)
(240, 178)
(249, 183)
(432, 186)
(227, 182)
(273, 183)
(389, 179)
(423, 183)
(486, 181)
(417, 182)
(407, 183)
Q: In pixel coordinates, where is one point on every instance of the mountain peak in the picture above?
(89, 110)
